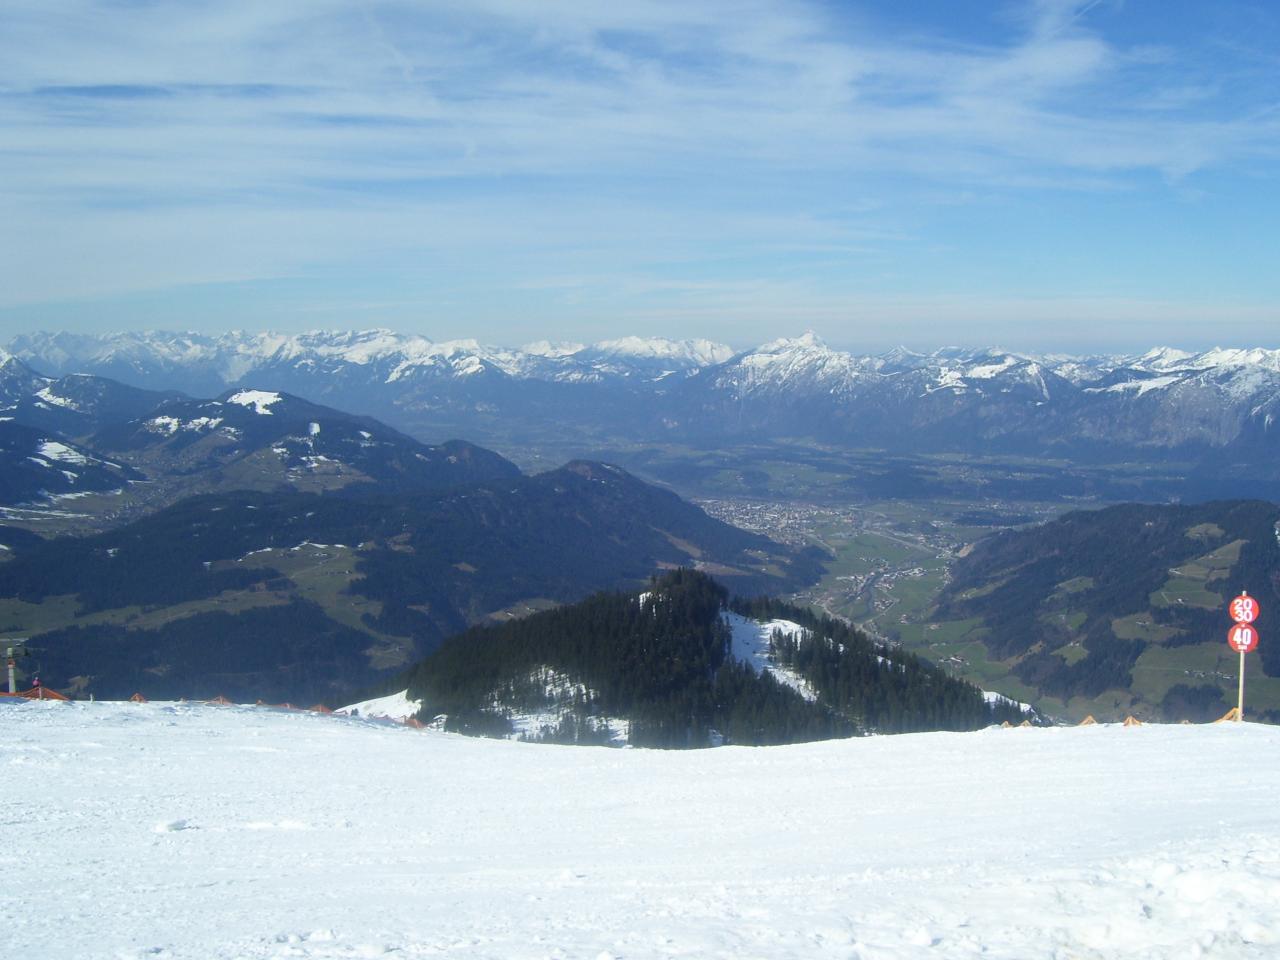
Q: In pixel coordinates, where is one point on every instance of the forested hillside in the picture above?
(1127, 605)
(385, 576)
(660, 667)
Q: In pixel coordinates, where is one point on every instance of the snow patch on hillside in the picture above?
(987, 371)
(48, 396)
(395, 706)
(259, 400)
(1000, 699)
(1137, 387)
(63, 454)
(751, 646)
(168, 425)
(560, 696)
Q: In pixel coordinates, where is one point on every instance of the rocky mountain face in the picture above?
(973, 401)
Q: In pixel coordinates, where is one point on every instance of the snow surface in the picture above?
(259, 400)
(171, 425)
(552, 349)
(395, 706)
(1137, 387)
(165, 425)
(559, 688)
(49, 396)
(61, 452)
(985, 371)
(185, 831)
(999, 698)
(695, 352)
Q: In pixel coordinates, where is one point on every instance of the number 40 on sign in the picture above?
(1243, 638)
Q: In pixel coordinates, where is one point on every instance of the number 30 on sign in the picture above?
(1244, 609)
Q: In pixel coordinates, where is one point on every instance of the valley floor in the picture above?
(174, 830)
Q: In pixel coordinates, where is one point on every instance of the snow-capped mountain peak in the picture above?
(552, 350)
(807, 341)
(1220, 358)
(1162, 358)
(698, 352)
(900, 358)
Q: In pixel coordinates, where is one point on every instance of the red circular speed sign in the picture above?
(1242, 637)
(1244, 609)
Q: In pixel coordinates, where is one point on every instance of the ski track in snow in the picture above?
(184, 831)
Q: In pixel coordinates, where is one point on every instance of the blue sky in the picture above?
(1043, 175)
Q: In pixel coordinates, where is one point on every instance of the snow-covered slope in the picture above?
(394, 706)
(183, 831)
(751, 645)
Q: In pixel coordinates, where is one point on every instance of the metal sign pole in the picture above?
(1240, 699)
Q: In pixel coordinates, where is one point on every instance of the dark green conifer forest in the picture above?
(662, 662)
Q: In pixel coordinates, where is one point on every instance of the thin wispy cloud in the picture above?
(150, 146)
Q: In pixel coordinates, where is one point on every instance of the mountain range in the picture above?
(1161, 403)
(85, 434)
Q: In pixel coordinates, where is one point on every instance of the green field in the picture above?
(1075, 585)
(1140, 626)
(1213, 663)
